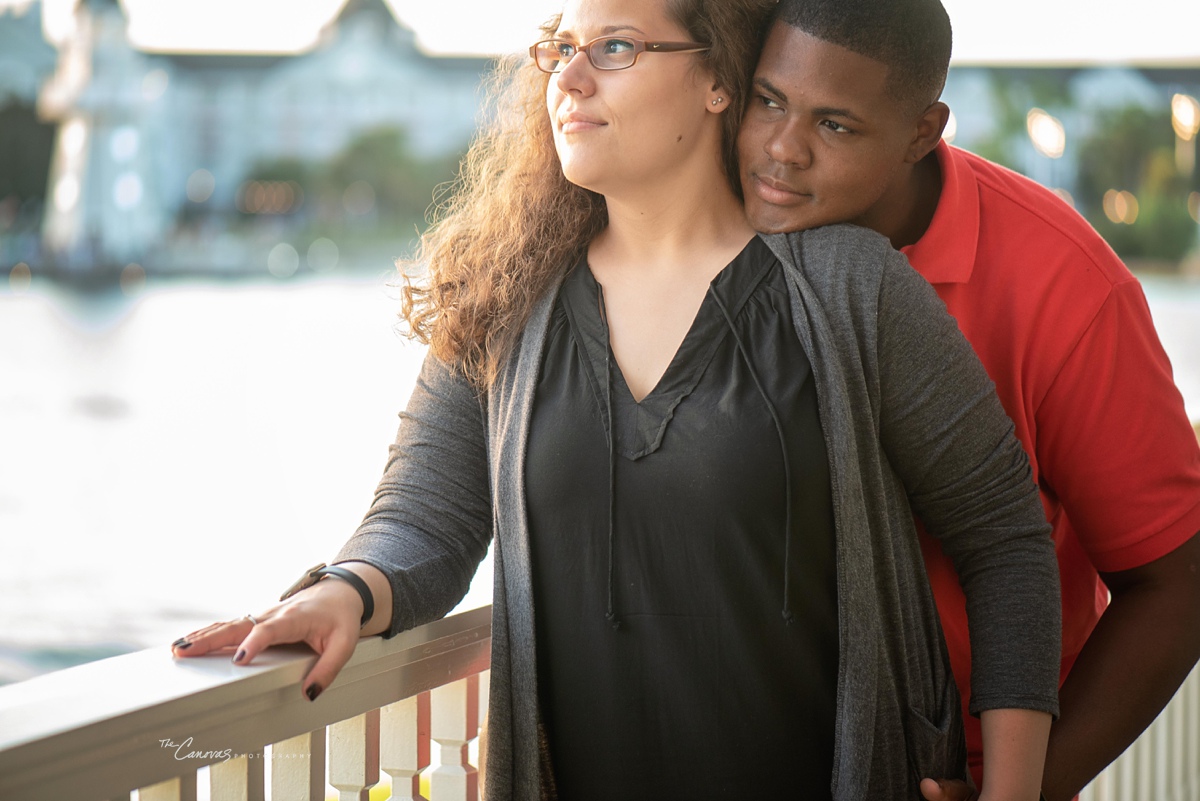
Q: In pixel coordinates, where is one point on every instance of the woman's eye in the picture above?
(614, 47)
(565, 49)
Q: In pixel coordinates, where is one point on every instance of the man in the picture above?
(845, 125)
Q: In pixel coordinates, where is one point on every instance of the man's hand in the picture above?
(946, 790)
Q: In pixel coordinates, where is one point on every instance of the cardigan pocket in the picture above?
(936, 750)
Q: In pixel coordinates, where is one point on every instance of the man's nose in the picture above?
(787, 145)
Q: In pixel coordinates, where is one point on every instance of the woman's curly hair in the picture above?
(511, 224)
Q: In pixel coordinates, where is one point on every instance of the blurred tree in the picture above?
(1132, 149)
(1014, 92)
(376, 182)
(22, 134)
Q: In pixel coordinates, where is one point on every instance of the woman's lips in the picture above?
(774, 192)
(578, 123)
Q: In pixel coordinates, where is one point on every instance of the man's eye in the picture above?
(836, 127)
(767, 102)
(614, 47)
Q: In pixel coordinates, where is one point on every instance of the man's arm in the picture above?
(1142, 649)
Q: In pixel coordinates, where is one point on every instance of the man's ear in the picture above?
(928, 131)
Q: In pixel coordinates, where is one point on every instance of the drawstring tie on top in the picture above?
(611, 433)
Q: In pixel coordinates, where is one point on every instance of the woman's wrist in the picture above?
(381, 592)
(1014, 753)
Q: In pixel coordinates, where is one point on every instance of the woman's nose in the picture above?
(577, 75)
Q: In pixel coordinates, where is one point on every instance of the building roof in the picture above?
(102, 5)
(353, 8)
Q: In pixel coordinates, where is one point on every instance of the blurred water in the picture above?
(179, 457)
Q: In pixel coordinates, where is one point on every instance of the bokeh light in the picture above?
(951, 129)
(20, 277)
(359, 198)
(124, 144)
(133, 279)
(1185, 116)
(1066, 196)
(127, 191)
(66, 193)
(74, 137)
(283, 261)
(1121, 207)
(154, 85)
(1046, 132)
(269, 197)
(1193, 202)
(322, 255)
(200, 186)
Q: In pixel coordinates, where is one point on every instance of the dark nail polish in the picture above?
(313, 691)
(181, 643)
(240, 655)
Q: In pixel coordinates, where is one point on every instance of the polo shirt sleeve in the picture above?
(1114, 443)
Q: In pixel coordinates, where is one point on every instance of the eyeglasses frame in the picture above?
(639, 46)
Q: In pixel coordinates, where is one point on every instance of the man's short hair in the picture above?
(911, 37)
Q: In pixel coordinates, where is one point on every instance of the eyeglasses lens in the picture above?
(605, 54)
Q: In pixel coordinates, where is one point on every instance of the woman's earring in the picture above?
(718, 101)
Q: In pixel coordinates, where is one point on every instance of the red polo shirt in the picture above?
(1064, 330)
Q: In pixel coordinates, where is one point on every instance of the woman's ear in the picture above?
(717, 99)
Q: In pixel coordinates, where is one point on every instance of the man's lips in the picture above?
(775, 192)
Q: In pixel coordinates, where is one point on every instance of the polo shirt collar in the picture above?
(946, 253)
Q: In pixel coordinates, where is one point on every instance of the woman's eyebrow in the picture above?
(607, 30)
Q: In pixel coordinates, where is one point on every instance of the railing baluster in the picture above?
(485, 687)
(455, 723)
(404, 745)
(298, 768)
(238, 779)
(354, 756)
(1190, 710)
(181, 788)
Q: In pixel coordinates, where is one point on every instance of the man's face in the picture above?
(822, 140)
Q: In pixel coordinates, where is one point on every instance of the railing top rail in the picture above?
(98, 728)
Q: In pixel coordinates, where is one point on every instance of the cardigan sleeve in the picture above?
(431, 521)
(968, 479)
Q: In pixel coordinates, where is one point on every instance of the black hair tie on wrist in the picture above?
(315, 574)
(357, 583)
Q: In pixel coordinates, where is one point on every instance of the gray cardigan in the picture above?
(911, 422)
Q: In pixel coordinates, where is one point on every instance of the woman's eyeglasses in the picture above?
(606, 53)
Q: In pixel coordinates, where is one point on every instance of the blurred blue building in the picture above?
(144, 135)
(26, 58)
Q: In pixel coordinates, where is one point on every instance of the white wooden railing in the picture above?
(149, 722)
(144, 721)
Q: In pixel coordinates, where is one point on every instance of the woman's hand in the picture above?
(326, 616)
(947, 790)
(1014, 754)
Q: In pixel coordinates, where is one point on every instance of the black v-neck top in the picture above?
(702, 689)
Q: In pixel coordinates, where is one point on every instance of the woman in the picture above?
(696, 451)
